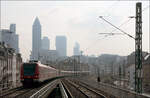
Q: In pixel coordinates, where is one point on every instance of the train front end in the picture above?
(29, 74)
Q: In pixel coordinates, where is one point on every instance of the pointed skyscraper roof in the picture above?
(36, 21)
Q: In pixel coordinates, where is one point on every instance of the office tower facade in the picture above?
(10, 38)
(45, 43)
(15, 42)
(36, 39)
(6, 37)
(76, 49)
(61, 45)
(15, 37)
(12, 28)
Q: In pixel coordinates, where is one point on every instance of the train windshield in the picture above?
(29, 69)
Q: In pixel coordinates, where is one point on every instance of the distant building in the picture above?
(48, 56)
(13, 28)
(10, 64)
(45, 43)
(36, 39)
(6, 37)
(15, 37)
(61, 45)
(130, 70)
(10, 38)
(15, 42)
(76, 49)
(146, 72)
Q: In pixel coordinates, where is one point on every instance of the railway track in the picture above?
(79, 90)
(72, 91)
(70, 88)
(22, 92)
(44, 91)
(18, 93)
(8, 92)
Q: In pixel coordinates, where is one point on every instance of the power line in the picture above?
(107, 35)
(117, 27)
(144, 9)
(131, 17)
(122, 24)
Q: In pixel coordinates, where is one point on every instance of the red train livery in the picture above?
(35, 72)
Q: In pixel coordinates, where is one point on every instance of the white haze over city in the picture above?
(79, 21)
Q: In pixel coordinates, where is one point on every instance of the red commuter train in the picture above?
(35, 72)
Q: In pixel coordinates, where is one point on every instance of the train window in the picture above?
(29, 69)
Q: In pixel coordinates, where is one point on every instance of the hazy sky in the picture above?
(79, 21)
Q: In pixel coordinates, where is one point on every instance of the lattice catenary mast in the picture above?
(138, 49)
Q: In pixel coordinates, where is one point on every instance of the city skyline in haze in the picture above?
(79, 21)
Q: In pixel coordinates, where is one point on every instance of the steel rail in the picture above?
(63, 91)
(84, 89)
(67, 89)
(43, 90)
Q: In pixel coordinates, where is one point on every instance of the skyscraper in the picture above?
(13, 28)
(76, 49)
(10, 38)
(45, 43)
(61, 45)
(15, 38)
(6, 37)
(15, 42)
(36, 39)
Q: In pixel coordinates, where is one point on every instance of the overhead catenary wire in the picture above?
(130, 19)
(121, 25)
(117, 28)
(124, 23)
(144, 9)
